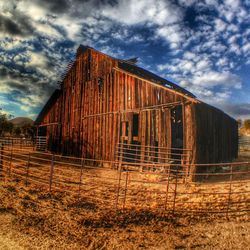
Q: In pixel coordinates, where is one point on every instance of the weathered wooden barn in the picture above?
(108, 107)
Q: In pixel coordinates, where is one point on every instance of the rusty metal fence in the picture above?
(129, 185)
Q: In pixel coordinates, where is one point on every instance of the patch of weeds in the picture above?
(83, 204)
(11, 189)
(26, 197)
(7, 210)
(45, 196)
(30, 221)
(33, 191)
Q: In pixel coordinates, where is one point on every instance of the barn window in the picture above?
(127, 129)
(135, 124)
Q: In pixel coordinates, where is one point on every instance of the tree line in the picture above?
(7, 128)
(244, 124)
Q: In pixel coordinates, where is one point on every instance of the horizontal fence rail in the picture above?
(244, 143)
(38, 142)
(123, 185)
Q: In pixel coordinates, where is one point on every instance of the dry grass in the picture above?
(35, 219)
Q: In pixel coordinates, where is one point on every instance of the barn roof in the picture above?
(147, 75)
(47, 106)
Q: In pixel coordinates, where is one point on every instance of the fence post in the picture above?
(80, 180)
(167, 188)
(11, 158)
(230, 188)
(27, 171)
(175, 191)
(1, 158)
(119, 186)
(51, 173)
(186, 166)
(126, 187)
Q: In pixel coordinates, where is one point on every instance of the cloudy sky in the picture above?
(203, 46)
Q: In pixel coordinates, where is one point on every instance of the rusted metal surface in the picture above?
(104, 102)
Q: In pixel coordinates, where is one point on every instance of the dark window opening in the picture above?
(121, 129)
(42, 131)
(135, 124)
(126, 130)
(177, 127)
(177, 133)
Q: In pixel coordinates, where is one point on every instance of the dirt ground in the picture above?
(34, 219)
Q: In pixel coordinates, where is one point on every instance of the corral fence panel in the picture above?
(121, 185)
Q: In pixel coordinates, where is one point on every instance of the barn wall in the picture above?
(217, 135)
(98, 106)
(52, 123)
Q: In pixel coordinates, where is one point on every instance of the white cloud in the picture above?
(213, 78)
(233, 4)
(37, 60)
(11, 43)
(220, 25)
(47, 30)
(222, 62)
(173, 34)
(135, 12)
(189, 55)
(71, 26)
(232, 28)
(117, 52)
(30, 101)
(31, 9)
(246, 48)
(203, 65)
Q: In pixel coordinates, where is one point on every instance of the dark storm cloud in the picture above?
(3, 72)
(18, 78)
(55, 6)
(72, 7)
(16, 86)
(15, 73)
(18, 26)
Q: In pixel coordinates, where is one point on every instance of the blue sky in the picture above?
(203, 46)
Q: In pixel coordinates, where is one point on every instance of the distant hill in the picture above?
(20, 121)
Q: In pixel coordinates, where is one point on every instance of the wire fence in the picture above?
(244, 143)
(123, 185)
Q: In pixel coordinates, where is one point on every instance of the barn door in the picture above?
(177, 133)
(129, 147)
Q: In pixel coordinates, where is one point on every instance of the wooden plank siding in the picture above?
(217, 135)
(100, 103)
